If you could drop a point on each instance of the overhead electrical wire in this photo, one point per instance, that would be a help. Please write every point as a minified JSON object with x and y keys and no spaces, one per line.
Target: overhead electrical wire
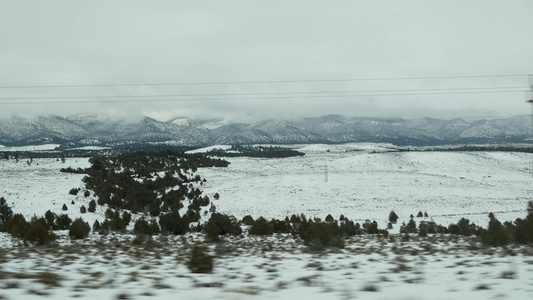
{"x":280,"y":97}
{"x":487,"y":89}
{"x":261,"y":82}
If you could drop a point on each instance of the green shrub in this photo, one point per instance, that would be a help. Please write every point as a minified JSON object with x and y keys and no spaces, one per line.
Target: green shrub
{"x":5,"y":212}
{"x":211,"y":232}
{"x":496,"y":234}
{"x":126,"y":217}
{"x":200,"y":261}
{"x":522,"y":231}
{"x":464,"y":227}
{"x":38,"y":232}
{"x":261,"y":227}
{"x":142,"y":226}
{"x":349,"y":228}
{"x":296,"y":219}
{"x":50,"y":218}
{"x":92,"y":206}
{"x":393,"y":217}
{"x":62,"y":222}
{"x":192,"y":215}
{"x":370,"y":227}
{"x":430,"y":227}
{"x":281,"y":226}
{"x":318,"y":236}
{"x":113,"y":221}
{"x":17,"y":226}
{"x":173,"y":223}
{"x":409,"y":227}
{"x":79,"y":229}
{"x":96,"y":226}
{"x":225,"y":224}
{"x":247,"y":220}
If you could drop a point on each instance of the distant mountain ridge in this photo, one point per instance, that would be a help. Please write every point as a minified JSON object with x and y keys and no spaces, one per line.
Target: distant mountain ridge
{"x":85,"y":130}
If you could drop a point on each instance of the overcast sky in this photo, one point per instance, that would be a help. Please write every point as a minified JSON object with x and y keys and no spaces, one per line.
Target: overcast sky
{"x":242,"y":46}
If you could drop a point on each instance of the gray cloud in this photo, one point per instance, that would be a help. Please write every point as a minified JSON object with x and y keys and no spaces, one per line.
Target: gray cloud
{"x":114,"y":42}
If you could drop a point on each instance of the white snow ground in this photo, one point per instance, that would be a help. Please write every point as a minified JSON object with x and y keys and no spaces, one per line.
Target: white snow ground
{"x":360,"y":184}
{"x":363,"y":185}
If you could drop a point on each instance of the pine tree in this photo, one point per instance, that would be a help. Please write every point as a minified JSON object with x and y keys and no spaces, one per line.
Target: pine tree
{"x":96,"y":225}
{"x":92,"y":206}
{"x":200,"y":261}
{"x":393,"y":217}
{"x":495,"y":235}
{"x":5,"y":212}
{"x":79,"y":229}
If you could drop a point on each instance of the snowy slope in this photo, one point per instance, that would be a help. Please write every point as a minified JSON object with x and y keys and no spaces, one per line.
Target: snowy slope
{"x":365,"y":185}
{"x":363,"y":181}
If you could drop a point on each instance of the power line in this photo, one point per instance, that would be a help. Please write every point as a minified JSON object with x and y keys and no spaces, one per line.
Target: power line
{"x":253,"y":98}
{"x":260,"y":82}
{"x":487,"y":89}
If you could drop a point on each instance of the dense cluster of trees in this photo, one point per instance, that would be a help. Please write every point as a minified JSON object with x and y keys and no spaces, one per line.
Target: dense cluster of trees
{"x":519,"y":231}
{"x":314,"y":232}
{"x":39,"y":230}
{"x":151,"y":183}
{"x":256,"y":151}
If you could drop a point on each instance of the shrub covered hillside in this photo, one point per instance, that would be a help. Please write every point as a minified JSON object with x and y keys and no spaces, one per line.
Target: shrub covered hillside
{"x":156,"y":185}
{"x":160,"y":192}
{"x":148,"y":188}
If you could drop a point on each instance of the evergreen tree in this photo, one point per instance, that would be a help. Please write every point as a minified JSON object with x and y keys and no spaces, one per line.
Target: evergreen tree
{"x":17,"y":226}
{"x":50,"y":218}
{"x":96,"y":225}
{"x":329,"y":218}
{"x":62,"y":222}
{"x":200,"y":261}
{"x":79,"y":229}
{"x":142,"y":226}
{"x":92,"y":206}
{"x":5,"y":212}
{"x":393,"y":217}
{"x":174,"y":223}
{"x":495,"y":235}
{"x":261,"y":227}
{"x":39,"y":232}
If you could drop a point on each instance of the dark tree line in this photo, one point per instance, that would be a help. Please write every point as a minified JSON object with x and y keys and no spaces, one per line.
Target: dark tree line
{"x":256,"y":151}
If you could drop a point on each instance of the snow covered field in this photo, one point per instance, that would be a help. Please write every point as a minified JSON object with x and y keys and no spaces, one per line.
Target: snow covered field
{"x":266,"y":268}
{"x":364,"y":181}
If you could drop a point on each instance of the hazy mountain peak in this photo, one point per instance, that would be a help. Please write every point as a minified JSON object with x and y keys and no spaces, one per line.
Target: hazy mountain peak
{"x":183,"y":131}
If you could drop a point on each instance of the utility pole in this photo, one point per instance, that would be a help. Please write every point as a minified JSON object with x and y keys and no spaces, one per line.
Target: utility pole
{"x":326,"y":172}
{"x":530,"y":101}
{"x":531,"y":162}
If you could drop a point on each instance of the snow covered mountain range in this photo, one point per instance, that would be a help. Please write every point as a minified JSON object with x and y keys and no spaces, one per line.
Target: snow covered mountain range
{"x":84,"y":130}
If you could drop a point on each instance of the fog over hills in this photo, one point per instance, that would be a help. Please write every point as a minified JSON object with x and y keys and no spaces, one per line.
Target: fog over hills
{"x":86,"y":130}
